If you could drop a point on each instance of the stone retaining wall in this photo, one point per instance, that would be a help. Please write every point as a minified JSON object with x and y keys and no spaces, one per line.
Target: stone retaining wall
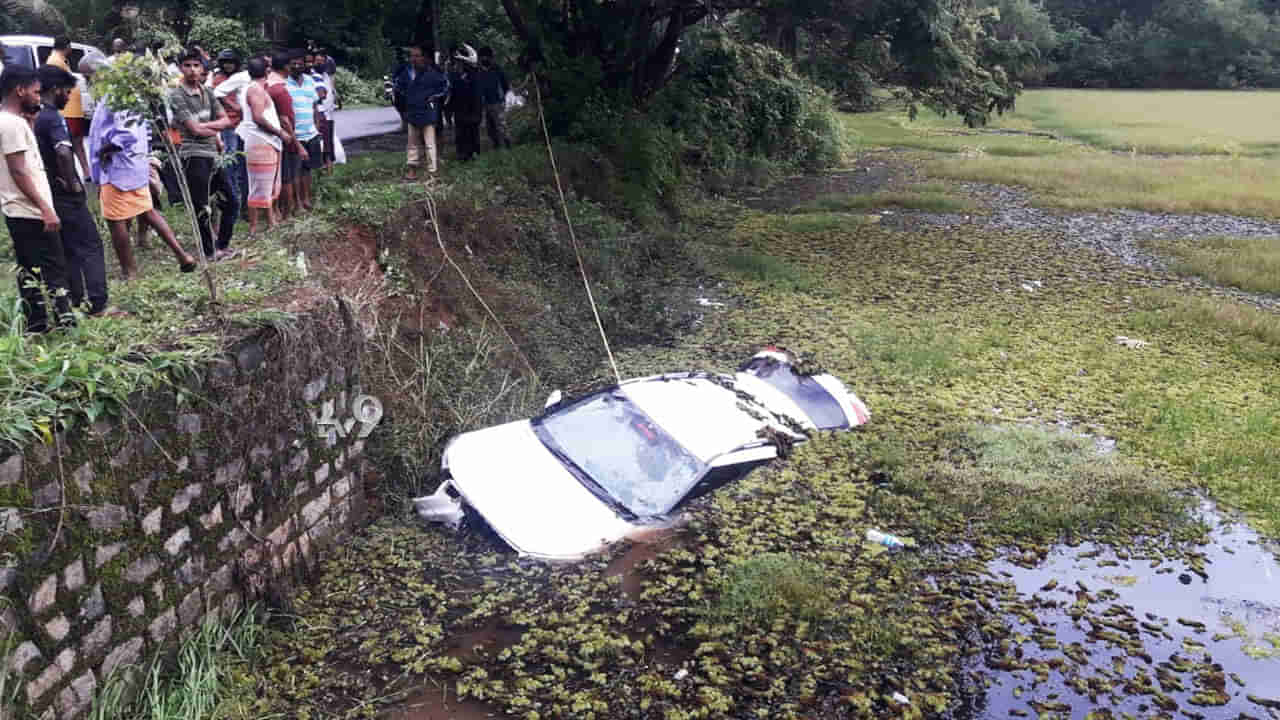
{"x":199,"y":498}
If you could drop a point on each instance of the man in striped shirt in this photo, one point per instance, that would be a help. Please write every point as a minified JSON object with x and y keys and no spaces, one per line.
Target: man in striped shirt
{"x":302,"y":89}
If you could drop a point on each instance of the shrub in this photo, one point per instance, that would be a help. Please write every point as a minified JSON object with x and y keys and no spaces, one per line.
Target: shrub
{"x":215,"y":34}
{"x":734,"y":100}
{"x":355,"y":90}
{"x":767,"y":587}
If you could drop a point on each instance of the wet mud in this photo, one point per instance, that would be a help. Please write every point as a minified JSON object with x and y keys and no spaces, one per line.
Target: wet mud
{"x":1109,"y":633}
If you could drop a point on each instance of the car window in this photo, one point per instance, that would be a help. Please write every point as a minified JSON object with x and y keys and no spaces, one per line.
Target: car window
{"x":42,"y":53}
{"x":804,"y":391}
{"x":611,"y":440}
{"x":18,"y":55}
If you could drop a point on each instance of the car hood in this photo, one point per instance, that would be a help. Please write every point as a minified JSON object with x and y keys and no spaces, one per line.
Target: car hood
{"x":527,"y":496}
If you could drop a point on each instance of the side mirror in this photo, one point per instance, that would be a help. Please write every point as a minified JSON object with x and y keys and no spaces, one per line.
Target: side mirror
{"x":553,"y":399}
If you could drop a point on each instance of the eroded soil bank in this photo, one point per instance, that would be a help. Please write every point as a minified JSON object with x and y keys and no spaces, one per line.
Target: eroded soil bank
{"x":941,"y":328}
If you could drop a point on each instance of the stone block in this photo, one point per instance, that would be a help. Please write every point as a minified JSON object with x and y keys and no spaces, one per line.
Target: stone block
{"x":191,"y":608}
{"x":66,"y":660}
{"x":213,"y":518}
{"x":76,"y":698}
{"x":83,"y":478}
{"x":219,"y":582}
{"x":297,"y":462}
{"x":93,"y":605}
{"x":182,"y":499}
{"x":107,"y":518}
{"x":95,"y":643}
{"x":73,"y":575}
{"x":125,"y":655}
{"x":282,"y":533}
{"x":51,"y":676}
{"x":58,"y":628}
{"x":11,"y":520}
{"x":232,"y":539}
{"x":47,"y":495}
{"x":141,"y":569}
{"x":241,"y":499}
{"x":260,"y":456}
{"x":163,"y":626}
{"x":231,"y":473}
{"x":137,"y":607}
{"x":312,"y":390}
{"x":341,"y":487}
{"x":44,"y":596}
{"x":11,"y":470}
{"x":322,"y":474}
{"x":188,"y":423}
{"x":151,"y":522}
{"x":106,"y":553}
{"x":142,"y":488}
{"x":23,"y":656}
{"x":192,"y":571}
{"x":312,"y":511}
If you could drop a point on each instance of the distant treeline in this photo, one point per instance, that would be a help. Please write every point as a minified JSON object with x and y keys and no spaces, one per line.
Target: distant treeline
{"x":1146,"y":43}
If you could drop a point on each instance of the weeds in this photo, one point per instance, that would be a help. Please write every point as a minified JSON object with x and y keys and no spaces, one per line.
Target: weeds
{"x":1248,"y":263}
{"x":1033,"y":482}
{"x":766,"y":587}
{"x":1166,"y":308}
{"x":196,"y":687}
{"x":927,"y":199}
{"x":773,"y":272}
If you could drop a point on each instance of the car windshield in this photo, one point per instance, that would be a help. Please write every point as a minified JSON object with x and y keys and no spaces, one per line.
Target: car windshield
{"x":623,"y":451}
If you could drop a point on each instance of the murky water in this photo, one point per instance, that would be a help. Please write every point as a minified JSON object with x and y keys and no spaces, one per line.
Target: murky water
{"x":434,"y":705}
{"x":1100,"y":631}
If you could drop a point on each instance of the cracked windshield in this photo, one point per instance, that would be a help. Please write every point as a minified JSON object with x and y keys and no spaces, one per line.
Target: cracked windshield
{"x":288,"y":283}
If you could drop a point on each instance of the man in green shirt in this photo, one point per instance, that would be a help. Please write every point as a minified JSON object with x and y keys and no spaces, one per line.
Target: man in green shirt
{"x":199,"y":118}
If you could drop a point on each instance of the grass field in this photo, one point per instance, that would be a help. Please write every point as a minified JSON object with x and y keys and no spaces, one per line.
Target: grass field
{"x":1187,"y":151}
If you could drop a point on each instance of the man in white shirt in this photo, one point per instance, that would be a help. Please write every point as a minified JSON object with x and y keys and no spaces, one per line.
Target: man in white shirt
{"x":27,"y":204}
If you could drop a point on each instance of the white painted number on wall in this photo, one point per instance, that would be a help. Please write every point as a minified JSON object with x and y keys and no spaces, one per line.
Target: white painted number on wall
{"x":366,"y":411}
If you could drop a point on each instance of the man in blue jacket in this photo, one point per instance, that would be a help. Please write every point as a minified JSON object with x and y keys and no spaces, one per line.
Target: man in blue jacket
{"x":421,"y":86}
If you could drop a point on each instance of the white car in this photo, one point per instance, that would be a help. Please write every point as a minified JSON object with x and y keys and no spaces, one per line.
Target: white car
{"x":31,"y":51}
{"x":620,"y":462}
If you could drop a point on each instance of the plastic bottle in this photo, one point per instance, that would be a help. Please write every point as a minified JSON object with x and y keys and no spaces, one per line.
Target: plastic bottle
{"x":885,"y":539}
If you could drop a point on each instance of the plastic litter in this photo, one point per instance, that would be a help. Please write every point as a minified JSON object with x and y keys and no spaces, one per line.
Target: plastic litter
{"x":682,"y":673}
{"x":901,"y":699}
{"x":885,"y":539}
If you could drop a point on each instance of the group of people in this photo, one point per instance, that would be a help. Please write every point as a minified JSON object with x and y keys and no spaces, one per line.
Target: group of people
{"x":274,"y":114}
{"x":470,"y":91}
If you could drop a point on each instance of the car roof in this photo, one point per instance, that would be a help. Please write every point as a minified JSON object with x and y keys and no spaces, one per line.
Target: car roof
{"x":701,"y":414}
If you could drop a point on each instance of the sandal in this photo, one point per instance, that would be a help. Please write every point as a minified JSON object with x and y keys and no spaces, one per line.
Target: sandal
{"x":187,"y":267}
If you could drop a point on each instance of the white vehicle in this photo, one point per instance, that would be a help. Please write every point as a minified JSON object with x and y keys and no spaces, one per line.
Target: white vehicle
{"x":31,"y":51}
{"x":619,"y":463}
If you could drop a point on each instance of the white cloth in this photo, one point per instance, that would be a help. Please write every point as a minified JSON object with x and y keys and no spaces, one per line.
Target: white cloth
{"x":325,"y":80}
{"x":248,"y":130}
{"x":233,"y":84}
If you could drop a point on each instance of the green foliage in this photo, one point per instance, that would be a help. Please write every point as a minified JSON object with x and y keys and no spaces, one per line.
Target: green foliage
{"x":355,"y":90}
{"x":215,"y":34}
{"x":766,"y":587}
{"x":207,"y":661}
{"x":733,"y":101}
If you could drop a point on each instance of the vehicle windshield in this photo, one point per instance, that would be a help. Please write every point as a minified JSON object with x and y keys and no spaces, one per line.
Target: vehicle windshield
{"x":623,"y":451}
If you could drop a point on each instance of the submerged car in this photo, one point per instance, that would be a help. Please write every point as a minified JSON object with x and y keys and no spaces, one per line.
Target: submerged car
{"x":621,"y":462}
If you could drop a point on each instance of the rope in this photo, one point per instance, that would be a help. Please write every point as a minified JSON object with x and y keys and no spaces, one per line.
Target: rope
{"x":564,"y":205}
{"x":435,"y":225}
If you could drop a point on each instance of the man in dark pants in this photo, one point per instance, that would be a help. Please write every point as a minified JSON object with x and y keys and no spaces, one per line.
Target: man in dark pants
{"x":199,"y":119}
{"x":81,"y":243}
{"x":493,"y":91}
{"x":27,"y":203}
{"x":468,"y":106}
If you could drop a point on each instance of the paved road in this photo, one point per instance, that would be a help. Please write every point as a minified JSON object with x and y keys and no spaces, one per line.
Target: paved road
{"x":352,"y":124}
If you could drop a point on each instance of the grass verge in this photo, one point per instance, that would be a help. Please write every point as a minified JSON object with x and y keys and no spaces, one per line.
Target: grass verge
{"x":194,"y":689}
{"x":1248,"y":263}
